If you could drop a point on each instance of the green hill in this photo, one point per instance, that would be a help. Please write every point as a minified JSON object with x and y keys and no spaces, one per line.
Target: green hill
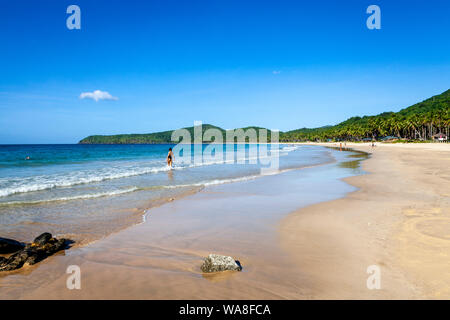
{"x":155,"y":138}
{"x":418,"y":122}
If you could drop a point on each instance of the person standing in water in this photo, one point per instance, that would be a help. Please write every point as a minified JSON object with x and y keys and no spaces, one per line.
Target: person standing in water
{"x":170,"y":158}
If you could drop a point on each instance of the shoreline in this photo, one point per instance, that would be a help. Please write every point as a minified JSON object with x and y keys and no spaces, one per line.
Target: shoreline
{"x":318,"y":251}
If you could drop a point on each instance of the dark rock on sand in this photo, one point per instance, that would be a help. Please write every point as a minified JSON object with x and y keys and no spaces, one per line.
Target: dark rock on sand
{"x":217,"y":263}
{"x":10,"y":246}
{"x":42,"y":247}
{"x":42,"y":239}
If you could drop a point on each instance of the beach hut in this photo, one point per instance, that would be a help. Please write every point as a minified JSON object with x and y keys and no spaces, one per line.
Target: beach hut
{"x":441,"y":137}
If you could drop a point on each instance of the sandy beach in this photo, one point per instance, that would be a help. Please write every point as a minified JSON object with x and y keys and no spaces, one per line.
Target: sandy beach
{"x":302,"y":234}
{"x":399,"y":219}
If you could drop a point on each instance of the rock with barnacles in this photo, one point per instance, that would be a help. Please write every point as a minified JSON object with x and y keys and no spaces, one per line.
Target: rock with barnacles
{"x":218,"y":263}
{"x":42,"y":247}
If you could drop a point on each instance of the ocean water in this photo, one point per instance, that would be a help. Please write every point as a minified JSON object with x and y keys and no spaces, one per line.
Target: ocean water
{"x":86,"y":192}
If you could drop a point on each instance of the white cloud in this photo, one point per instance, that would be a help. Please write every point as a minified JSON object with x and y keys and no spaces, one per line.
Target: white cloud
{"x":97,"y":95}
{"x":276,"y":71}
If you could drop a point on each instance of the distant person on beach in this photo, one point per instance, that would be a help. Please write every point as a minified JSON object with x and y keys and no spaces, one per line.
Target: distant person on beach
{"x":170,"y":158}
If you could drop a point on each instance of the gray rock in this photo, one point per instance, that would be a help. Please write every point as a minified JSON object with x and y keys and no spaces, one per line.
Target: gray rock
{"x":10,"y":246}
{"x":42,"y":247}
{"x":217,"y":263}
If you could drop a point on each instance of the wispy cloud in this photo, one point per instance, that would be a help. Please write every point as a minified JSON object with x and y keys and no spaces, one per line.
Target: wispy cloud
{"x":97,"y":95}
{"x":276,"y":71}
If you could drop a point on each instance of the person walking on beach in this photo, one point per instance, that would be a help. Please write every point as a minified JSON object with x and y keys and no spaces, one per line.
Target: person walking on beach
{"x":170,"y":158}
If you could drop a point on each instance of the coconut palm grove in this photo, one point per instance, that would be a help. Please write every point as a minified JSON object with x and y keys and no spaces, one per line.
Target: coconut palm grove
{"x":426,"y":120}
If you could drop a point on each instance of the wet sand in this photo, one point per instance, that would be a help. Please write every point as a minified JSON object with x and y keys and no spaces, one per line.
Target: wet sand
{"x":396,"y":220}
{"x":85,"y":221}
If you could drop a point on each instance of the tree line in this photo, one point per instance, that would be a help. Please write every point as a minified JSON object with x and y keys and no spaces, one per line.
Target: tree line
{"x":418,"y":122}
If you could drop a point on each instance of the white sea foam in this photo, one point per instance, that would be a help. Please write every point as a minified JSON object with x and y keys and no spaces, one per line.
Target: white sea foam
{"x":212,"y":182}
{"x":78,"y":197}
{"x":9,"y":186}
{"x":289,"y":148}
{"x":231,"y":180}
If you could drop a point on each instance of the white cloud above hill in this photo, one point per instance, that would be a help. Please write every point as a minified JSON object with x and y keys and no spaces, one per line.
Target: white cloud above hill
{"x":97,"y":95}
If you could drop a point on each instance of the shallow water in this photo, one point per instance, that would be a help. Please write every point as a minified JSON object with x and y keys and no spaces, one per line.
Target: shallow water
{"x":86,"y":192}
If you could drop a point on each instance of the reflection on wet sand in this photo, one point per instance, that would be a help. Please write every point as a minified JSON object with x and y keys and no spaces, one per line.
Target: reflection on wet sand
{"x":170,"y":175}
{"x":219,"y":276}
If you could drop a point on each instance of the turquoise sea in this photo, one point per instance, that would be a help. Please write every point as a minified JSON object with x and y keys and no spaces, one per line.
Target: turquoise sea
{"x":89,"y":191}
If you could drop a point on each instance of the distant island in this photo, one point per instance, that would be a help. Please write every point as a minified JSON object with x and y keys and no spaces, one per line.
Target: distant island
{"x":422,"y":121}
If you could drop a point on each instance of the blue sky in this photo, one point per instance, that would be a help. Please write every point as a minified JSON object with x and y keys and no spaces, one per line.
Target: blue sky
{"x":276,"y":64}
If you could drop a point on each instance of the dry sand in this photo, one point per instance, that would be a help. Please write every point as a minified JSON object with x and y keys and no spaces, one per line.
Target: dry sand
{"x":399,"y":220}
